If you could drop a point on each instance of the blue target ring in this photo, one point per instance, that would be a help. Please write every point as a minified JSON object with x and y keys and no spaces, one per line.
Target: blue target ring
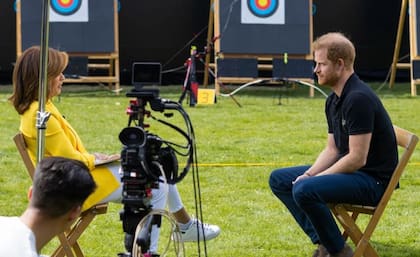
{"x":66,"y":7}
{"x":263,"y":8}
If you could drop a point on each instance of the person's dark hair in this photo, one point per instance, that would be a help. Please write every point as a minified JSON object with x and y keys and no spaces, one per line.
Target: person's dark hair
{"x":26,"y":75}
{"x":60,"y":184}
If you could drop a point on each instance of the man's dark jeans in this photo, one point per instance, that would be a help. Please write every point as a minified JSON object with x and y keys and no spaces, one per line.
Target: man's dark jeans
{"x":307,"y":200}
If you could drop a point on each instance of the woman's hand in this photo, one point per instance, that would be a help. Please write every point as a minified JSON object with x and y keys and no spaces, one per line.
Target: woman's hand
{"x":101,"y":156}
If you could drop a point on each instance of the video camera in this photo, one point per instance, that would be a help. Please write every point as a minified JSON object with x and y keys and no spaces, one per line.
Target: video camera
{"x":146,"y":160}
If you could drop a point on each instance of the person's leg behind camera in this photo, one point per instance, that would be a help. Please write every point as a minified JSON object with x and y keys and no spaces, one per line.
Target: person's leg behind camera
{"x":168,"y":194}
{"x":188,"y":226}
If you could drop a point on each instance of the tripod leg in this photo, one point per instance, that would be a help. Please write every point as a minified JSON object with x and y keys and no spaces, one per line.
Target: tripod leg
{"x":193,"y":93}
{"x":186,"y":85}
{"x":143,"y":239}
{"x":181,"y":98}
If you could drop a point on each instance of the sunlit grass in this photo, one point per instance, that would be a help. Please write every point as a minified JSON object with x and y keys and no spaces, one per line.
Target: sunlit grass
{"x":237,"y":149}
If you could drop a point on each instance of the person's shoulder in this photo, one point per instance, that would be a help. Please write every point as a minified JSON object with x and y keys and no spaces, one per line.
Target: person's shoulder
{"x":359,"y":88}
{"x":13,"y":228}
{"x":31,"y":111}
{"x":362,"y":98}
{"x":34,"y":106}
{"x":358,"y":95}
{"x":363,"y":90}
{"x":16,"y":238}
{"x":9,"y":219}
{"x":12,"y":222}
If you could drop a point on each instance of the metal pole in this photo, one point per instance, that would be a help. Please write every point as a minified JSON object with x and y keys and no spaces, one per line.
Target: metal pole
{"x":42,"y":116}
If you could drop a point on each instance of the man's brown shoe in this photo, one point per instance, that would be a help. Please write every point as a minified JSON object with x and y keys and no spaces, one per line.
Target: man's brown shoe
{"x":345,"y":252}
{"x":321,"y":251}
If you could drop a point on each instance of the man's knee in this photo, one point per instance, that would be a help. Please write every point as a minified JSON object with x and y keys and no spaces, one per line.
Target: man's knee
{"x":280,"y":182}
{"x":272,"y":181}
{"x":275,"y":181}
{"x":303,"y":191}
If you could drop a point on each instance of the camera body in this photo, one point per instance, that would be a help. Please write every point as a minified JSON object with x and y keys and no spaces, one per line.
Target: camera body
{"x":145,"y":160}
{"x":139,"y":150}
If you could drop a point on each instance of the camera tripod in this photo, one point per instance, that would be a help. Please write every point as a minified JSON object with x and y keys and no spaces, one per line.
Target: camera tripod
{"x":190,"y":85}
{"x":149,"y":162}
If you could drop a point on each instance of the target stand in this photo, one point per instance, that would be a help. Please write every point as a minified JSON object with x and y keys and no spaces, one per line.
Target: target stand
{"x":85,"y":29}
{"x":412,"y":9}
{"x":258,"y":39}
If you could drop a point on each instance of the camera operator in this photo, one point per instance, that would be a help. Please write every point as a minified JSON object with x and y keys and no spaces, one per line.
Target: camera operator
{"x":59,"y":189}
{"x":62,"y":140}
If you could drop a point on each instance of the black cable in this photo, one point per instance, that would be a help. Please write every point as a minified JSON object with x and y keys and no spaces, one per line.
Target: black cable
{"x":197,"y":197}
{"x":185,"y":46}
{"x":196,"y":178}
{"x":389,"y":74}
{"x":174,"y":69}
{"x":189,"y":146}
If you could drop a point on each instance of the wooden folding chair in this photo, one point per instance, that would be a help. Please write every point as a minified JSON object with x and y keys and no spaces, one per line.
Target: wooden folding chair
{"x":347,"y":214}
{"x":68,"y":240}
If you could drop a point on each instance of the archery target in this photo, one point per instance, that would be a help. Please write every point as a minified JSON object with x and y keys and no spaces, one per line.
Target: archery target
{"x":262,"y":11}
{"x":69,"y":11}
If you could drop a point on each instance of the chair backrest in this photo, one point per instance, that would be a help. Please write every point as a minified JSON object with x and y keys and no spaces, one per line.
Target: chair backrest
{"x":408,"y":141}
{"x":69,"y":245}
{"x":23,"y":151}
{"x":347,"y":214}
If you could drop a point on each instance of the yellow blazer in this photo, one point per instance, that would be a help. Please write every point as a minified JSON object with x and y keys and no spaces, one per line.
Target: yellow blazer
{"x":62,"y":140}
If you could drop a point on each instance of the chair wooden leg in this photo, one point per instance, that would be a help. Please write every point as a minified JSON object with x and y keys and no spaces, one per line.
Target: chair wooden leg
{"x":65,"y":248}
{"x":68,"y":240}
{"x":354,"y":216}
{"x":68,"y":249}
{"x":69,"y":246}
{"x":363,"y":247}
{"x":77,"y":250}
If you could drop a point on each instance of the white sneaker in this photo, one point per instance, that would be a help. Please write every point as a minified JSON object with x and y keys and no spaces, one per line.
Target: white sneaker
{"x":190,"y":235}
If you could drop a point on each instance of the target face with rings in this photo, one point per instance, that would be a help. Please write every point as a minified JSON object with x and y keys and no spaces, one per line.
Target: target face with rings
{"x":66,"y":7}
{"x":69,"y":11}
{"x":263,"y":8}
{"x":262,"y":11}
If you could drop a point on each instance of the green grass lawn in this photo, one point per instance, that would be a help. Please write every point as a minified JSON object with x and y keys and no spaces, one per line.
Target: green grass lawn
{"x":237,"y":149}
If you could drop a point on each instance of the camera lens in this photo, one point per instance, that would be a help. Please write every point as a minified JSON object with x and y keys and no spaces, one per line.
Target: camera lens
{"x":133,"y":136}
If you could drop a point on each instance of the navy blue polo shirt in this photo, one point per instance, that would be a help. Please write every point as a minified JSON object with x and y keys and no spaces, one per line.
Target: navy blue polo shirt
{"x":358,"y":111}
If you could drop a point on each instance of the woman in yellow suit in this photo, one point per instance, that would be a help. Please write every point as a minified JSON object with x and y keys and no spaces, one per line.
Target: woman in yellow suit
{"x":62,"y":140}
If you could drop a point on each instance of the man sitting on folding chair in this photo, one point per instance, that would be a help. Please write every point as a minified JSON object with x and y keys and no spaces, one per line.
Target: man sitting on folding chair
{"x":59,"y":190}
{"x":358,"y":160}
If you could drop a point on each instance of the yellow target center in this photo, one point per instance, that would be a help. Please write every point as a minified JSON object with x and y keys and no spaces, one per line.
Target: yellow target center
{"x":263,"y":3}
{"x":65,"y":2}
